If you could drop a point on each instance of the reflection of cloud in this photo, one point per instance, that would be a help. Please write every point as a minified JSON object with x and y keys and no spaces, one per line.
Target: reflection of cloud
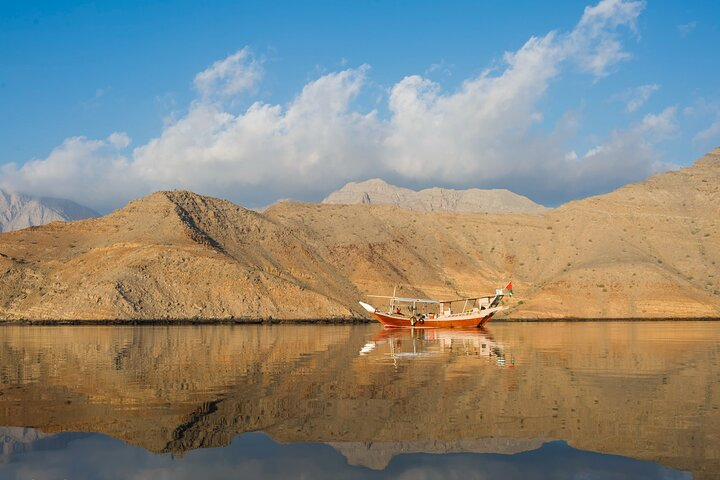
{"x":257,"y":456}
{"x":484,"y":134}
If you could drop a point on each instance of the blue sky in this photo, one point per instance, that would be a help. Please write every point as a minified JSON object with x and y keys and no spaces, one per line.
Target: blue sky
{"x":102,"y":102}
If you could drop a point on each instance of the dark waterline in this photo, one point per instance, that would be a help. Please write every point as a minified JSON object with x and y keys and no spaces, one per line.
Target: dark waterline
{"x":560,"y":400}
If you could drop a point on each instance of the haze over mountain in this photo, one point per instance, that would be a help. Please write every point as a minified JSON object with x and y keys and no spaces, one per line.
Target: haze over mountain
{"x":648,"y":250}
{"x":378,"y":192}
{"x":19,"y":211}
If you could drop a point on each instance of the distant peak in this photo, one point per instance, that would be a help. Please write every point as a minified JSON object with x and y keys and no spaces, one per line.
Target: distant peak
{"x":19,"y":211}
{"x":378,"y":191}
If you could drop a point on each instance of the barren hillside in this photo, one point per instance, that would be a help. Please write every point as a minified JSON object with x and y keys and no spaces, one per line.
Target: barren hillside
{"x":649,"y":250}
{"x":169,"y":255}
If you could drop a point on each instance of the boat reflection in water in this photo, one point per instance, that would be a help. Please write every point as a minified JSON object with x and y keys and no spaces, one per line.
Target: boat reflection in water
{"x":421,"y":342}
{"x":353,"y":401}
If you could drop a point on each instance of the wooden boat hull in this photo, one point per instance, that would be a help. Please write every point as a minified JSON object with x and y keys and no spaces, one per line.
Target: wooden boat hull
{"x":464,"y":321}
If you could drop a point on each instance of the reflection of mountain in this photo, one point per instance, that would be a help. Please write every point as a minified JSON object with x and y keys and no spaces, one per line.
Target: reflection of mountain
{"x":255,"y":455}
{"x":647,"y":390}
{"x":377,"y":455}
{"x":15,"y":440}
{"x":18,"y":439}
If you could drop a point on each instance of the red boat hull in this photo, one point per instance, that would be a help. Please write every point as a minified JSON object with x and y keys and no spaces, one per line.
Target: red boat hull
{"x":401,"y":321}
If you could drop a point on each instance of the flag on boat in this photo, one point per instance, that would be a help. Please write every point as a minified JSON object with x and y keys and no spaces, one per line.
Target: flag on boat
{"x":508,"y":287}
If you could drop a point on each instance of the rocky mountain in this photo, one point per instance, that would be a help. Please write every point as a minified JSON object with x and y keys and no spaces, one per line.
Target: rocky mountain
{"x":168,"y":255}
{"x":18,"y":211}
{"x":649,"y":250}
{"x":378,"y":192}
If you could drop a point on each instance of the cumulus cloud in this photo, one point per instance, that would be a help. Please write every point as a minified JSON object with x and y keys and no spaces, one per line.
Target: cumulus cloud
{"x":94,"y":172}
{"x":595,"y":41}
{"x":631,"y":152}
{"x":709,"y":134}
{"x":660,"y":126}
{"x":635,"y":98}
{"x":237,"y":73}
{"x":483,"y":134}
{"x":119,"y":140}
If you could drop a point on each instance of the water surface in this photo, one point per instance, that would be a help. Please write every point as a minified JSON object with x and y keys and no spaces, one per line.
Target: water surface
{"x":557,"y":400}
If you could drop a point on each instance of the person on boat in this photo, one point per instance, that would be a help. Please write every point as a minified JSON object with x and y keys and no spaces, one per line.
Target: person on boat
{"x":397,"y":311}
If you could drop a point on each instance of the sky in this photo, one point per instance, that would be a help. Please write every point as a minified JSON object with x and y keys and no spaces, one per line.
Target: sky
{"x":103,"y":102}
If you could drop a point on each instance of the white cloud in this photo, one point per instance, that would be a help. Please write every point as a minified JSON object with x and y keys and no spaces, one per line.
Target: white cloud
{"x":119,"y":140}
{"x":483,"y":134}
{"x":316,"y":136}
{"x":638,"y":96}
{"x":90,"y":171}
{"x":709,"y":134}
{"x":652,"y":129}
{"x":686,"y":28}
{"x":237,"y":73}
{"x":595,"y":40}
{"x":662,"y":125}
{"x":571,"y":155}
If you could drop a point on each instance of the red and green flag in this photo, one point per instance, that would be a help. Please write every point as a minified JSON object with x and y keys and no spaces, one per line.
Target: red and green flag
{"x":508,"y":287}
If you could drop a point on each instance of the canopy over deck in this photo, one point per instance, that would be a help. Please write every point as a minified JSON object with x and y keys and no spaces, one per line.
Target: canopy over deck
{"x":406,"y":299}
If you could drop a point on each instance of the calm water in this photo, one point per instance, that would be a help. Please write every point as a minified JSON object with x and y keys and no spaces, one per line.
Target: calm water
{"x":588,"y":400}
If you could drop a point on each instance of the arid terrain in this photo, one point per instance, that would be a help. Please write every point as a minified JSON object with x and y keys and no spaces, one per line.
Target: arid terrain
{"x":648,"y":250}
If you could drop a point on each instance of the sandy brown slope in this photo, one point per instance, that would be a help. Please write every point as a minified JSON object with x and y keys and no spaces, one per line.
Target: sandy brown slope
{"x":650,"y":250}
{"x":169,"y":255}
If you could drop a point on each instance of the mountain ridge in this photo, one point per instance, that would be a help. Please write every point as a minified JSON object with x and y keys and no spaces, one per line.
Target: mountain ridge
{"x":18,"y":211}
{"x":647,"y":250}
{"x":435,"y":199}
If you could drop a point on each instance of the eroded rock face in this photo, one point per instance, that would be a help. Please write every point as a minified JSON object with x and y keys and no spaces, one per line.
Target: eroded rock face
{"x":18,"y":211}
{"x":649,"y":250}
{"x":378,"y":192}
{"x":169,"y":255}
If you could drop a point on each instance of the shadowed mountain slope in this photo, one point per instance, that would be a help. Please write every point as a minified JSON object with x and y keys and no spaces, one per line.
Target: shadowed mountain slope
{"x":649,"y":250}
{"x":168,"y":255}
